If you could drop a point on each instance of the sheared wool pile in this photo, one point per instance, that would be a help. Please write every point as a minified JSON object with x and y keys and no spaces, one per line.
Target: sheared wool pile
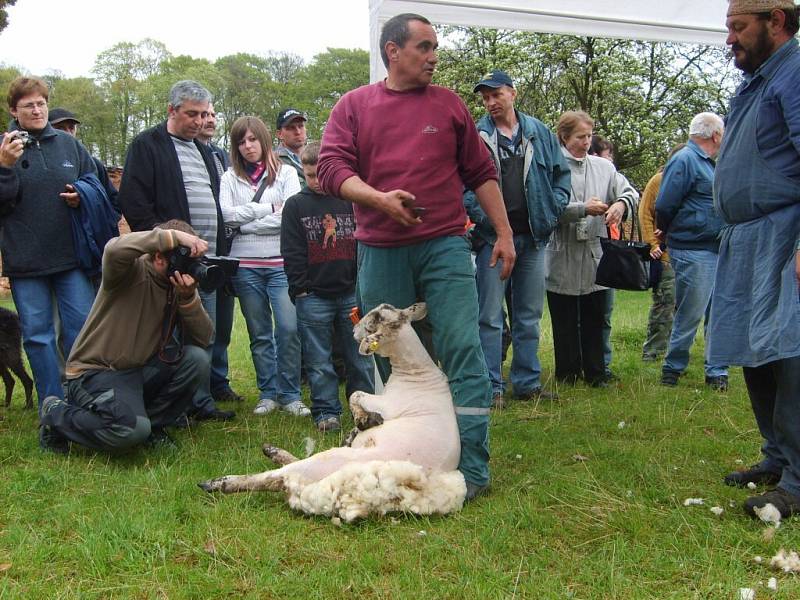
{"x":377,"y":487}
{"x":788,"y":562}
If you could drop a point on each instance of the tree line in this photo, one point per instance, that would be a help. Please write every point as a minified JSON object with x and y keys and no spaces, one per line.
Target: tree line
{"x":641,"y":94}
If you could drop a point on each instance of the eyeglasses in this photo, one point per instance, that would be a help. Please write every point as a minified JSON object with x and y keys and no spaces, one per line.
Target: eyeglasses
{"x":41,"y":105}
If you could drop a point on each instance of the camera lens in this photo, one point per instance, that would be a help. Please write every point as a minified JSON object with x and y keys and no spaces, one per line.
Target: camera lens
{"x":208,"y":277}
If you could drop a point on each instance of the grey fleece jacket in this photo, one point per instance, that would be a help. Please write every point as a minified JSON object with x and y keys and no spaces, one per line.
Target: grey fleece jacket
{"x":37,"y":232}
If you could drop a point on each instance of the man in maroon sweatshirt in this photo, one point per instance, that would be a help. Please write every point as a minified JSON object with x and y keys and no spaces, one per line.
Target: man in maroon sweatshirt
{"x":402,"y":150}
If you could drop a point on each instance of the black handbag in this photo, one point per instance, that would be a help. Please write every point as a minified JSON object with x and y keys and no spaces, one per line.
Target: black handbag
{"x":625,"y":264}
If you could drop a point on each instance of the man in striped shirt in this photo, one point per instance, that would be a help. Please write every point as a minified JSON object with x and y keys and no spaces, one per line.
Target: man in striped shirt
{"x":170,"y":175}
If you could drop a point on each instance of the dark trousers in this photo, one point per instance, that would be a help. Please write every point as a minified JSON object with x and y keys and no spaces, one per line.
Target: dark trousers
{"x":578,"y":335}
{"x":774,"y":390}
{"x":222,"y":339}
{"x":116,"y":410}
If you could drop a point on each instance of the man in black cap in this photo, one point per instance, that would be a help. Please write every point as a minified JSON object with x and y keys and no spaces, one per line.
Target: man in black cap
{"x":290,"y":128}
{"x":535,"y":183}
{"x":61,"y":118}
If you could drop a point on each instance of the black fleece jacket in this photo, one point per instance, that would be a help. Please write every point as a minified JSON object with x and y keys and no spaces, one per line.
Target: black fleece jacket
{"x":152,"y":188}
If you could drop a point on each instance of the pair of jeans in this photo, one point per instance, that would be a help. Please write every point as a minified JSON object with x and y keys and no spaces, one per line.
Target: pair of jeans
{"x":33,"y":297}
{"x":112,"y":410}
{"x":440,"y":272}
{"x":222,"y":339}
{"x":527,"y":303}
{"x":695,"y":271}
{"x":264,"y":293}
{"x":774,"y":390}
{"x":319,"y":320}
{"x":659,"y":321}
{"x":577,"y":323}
{"x":203,"y":402}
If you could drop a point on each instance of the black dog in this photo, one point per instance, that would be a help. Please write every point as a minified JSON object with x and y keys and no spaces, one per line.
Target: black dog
{"x":11,"y":356}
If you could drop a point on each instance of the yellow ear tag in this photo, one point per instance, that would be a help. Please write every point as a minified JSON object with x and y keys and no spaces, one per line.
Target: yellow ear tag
{"x":373,"y":345}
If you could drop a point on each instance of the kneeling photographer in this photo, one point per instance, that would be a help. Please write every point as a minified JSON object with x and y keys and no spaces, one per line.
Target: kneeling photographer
{"x":140,"y":356}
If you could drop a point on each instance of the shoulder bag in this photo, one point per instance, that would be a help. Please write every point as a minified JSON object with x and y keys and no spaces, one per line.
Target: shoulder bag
{"x":625,"y":264}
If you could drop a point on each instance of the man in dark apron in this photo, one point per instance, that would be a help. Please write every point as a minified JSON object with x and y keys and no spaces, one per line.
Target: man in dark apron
{"x":755,"y":313}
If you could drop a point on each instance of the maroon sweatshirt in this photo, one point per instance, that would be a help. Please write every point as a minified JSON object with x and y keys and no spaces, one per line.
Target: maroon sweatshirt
{"x":422,"y":141}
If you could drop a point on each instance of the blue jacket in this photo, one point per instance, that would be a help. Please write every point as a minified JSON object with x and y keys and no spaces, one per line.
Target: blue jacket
{"x":36,"y":232}
{"x":547,"y":179}
{"x":685,"y":207}
{"x":94,"y":222}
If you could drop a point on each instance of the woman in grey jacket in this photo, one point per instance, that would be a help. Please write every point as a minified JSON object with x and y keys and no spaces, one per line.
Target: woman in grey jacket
{"x":598,"y":199}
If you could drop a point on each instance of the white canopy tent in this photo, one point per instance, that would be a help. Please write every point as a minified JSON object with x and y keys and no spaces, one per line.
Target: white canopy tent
{"x":694,"y":21}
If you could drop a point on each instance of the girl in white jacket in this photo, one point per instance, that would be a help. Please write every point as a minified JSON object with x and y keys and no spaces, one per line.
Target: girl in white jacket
{"x":260,"y":283}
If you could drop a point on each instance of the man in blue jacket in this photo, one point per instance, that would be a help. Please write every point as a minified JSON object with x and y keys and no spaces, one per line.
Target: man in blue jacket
{"x":535,"y":182}
{"x":685,"y":214}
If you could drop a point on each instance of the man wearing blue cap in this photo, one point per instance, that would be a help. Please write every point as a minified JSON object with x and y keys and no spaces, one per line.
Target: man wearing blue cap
{"x":535,"y":182}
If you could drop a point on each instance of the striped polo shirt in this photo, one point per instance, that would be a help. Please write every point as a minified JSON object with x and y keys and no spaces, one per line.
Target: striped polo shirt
{"x":202,"y":207}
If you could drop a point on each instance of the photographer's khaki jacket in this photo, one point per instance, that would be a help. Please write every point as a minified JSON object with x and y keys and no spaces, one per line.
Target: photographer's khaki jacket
{"x":123,"y":328}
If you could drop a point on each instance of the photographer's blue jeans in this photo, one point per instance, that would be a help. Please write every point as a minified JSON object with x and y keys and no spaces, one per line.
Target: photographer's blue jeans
{"x":33,"y":298}
{"x":319,"y":320}
{"x":695,"y":271}
{"x":263,"y":293}
{"x":528,"y":288}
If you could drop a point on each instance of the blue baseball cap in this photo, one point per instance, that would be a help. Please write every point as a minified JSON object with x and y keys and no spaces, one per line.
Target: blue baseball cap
{"x":495,"y":79}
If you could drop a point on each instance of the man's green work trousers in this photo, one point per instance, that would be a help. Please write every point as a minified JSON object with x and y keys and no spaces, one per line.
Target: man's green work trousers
{"x":440,"y":273}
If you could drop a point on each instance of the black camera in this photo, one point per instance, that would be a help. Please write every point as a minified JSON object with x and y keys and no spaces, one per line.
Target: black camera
{"x":210,"y":272}
{"x":27,"y":140}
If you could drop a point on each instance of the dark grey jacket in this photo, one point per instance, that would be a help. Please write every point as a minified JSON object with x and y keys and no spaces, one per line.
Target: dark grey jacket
{"x":37,"y":231}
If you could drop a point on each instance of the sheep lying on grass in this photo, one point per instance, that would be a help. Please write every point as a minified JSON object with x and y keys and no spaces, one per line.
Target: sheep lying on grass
{"x":407,"y":448}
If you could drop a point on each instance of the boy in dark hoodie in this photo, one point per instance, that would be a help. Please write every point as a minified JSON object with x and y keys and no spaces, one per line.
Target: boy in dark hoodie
{"x":319,"y":254}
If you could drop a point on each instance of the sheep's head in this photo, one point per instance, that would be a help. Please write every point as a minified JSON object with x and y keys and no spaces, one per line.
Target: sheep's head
{"x":382,"y":323}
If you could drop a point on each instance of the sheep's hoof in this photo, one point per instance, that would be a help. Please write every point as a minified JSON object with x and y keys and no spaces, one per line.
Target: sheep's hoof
{"x":348,"y":441}
{"x":369,"y":420}
{"x":212,"y":485}
{"x":278,"y":455}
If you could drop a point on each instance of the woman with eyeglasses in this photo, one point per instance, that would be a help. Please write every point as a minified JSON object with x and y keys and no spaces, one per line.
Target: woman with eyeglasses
{"x":38,"y":167}
{"x":252,"y":194}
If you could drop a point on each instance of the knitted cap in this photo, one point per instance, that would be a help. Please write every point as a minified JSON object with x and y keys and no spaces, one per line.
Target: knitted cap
{"x":744,"y":7}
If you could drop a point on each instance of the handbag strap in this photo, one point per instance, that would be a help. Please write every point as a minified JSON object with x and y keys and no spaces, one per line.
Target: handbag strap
{"x":635,"y":227}
{"x":260,"y":190}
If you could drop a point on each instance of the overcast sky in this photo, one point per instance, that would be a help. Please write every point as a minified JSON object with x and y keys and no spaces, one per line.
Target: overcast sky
{"x":67,"y":35}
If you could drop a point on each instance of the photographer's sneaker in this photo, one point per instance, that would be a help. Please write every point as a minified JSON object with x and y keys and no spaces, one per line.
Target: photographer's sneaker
{"x":296,"y":408}
{"x":264,"y":406}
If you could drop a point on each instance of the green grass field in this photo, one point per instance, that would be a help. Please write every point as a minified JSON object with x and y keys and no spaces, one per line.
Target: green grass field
{"x":609,"y":524}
